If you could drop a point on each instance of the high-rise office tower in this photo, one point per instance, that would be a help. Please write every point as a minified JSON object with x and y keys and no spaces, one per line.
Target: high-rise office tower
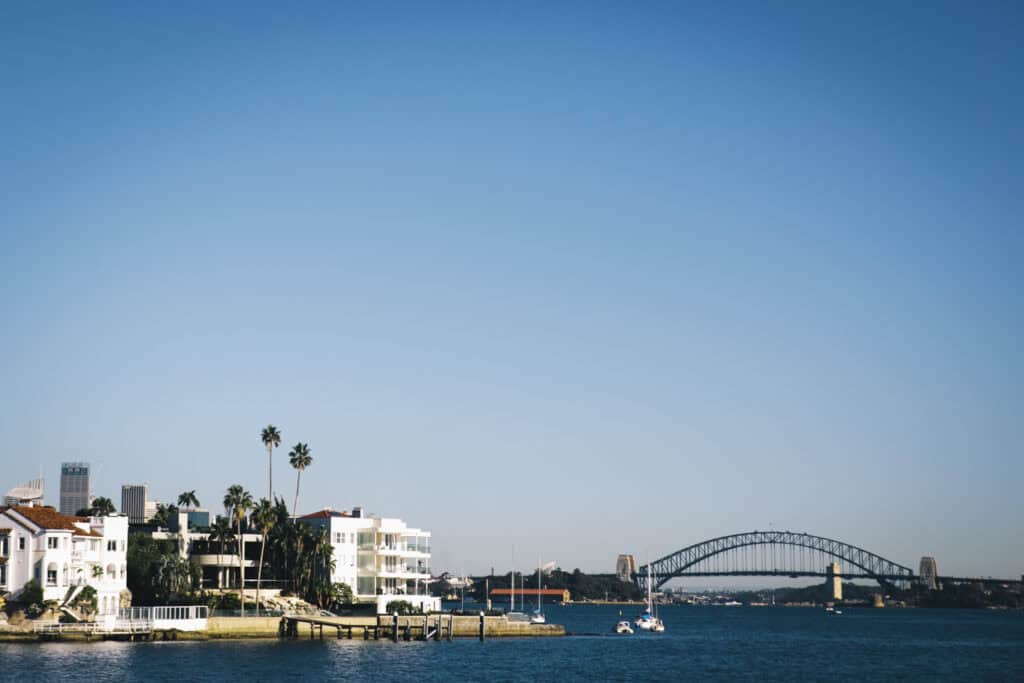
{"x":75,"y":493}
{"x":133,"y":502}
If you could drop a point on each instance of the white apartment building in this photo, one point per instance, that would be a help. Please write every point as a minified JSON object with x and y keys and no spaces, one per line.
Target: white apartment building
{"x":381,"y":559}
{"x":62,"y":552}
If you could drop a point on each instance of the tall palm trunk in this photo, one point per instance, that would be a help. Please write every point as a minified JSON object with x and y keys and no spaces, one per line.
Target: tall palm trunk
{"x":241,"y":569}
{"x":270,"y":471}
{"x":295,"y":508}
{"x":259,"y":572}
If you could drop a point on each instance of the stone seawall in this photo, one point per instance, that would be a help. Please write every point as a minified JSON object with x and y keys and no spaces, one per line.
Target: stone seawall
{"x":242,"y":627}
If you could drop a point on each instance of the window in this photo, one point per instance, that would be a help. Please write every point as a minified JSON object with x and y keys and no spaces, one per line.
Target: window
{"x":52,"y":542}
{"x":3,"y":545}
{"x":51,"y":575}
{"x":111,"y":546}
{"x":3,"y":574}
{"x":21,"y":542}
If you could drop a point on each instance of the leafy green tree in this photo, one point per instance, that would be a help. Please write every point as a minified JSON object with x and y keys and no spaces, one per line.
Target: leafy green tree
{"x":238,"y":502}
{"x":144,"y":558}
{"x":176,"y":577}
{"x":300,"y":459}
{"x":341,"y":595}
{"x":31,"y":593}
{"x":271,"y":439}
{"x":263,"y":518}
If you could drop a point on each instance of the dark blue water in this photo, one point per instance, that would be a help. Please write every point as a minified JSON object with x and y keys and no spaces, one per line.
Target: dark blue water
{"x":701,"y":643}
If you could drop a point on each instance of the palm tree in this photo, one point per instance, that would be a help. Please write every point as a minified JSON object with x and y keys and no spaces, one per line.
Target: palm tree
{"x":163,"y":515}
{"x":263,"y":518}
{"x":323,"y":566}
{"x":221,"y":531}
{"x":300,"y":459}
{"x":188,"y":499}
{"x":271,"y":439}
{"x":101,"y":507}
{"x":238,"y":502}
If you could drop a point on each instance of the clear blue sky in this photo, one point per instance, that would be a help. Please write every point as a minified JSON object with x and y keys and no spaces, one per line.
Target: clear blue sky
{"x":585,"y":278}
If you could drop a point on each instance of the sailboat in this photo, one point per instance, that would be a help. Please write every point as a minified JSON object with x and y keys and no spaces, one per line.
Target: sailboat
{"x":538,"y":615}
{"x":649,"y":621}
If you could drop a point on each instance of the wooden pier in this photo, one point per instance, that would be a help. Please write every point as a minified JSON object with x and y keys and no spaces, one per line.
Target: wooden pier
{"x":391,"y":627}
{"x":439,"y":627}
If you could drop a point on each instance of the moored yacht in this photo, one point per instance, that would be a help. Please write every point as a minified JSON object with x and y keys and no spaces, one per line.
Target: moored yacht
{"x":649,"y":621}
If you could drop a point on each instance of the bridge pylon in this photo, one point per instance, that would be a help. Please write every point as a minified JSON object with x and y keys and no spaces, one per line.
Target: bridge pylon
{"x":835,"y":580}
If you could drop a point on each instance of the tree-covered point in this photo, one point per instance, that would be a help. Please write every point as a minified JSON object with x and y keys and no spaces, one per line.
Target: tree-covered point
{"x":972,"y":595}
{"x":580,"y":586}
{"x":818,"y":593}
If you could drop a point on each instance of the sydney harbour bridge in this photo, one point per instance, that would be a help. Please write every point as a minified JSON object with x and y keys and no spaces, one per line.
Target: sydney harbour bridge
{"x":791,"y":554}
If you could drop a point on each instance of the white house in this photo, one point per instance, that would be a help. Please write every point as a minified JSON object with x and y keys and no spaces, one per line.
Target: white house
{"x":62,"y":552}
{"x":381,"y":559}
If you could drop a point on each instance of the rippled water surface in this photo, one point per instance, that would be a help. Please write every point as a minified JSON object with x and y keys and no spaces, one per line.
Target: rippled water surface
{"x":701,"y":643}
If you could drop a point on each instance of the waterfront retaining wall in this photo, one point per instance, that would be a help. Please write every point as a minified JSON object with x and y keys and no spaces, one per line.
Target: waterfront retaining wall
{"x":242,"y":627}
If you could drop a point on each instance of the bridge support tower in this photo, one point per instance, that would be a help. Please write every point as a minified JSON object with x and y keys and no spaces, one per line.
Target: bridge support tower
{"x":928,"y":573}
{"x":834,"y":580}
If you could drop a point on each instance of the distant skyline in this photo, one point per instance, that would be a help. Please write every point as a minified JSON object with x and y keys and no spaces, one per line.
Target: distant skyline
{"x":575,"y":278}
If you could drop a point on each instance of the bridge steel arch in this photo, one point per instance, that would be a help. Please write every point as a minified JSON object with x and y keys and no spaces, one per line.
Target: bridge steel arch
{"x":873,"y":566}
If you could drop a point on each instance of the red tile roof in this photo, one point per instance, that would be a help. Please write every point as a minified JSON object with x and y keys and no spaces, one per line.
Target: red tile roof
{"x":46,"y":518}
{"x":326,"y":513}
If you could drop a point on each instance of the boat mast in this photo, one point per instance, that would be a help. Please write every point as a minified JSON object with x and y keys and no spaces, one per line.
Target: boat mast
{"x":538,"y":585}
{"x":649,"y":604}
{"x":512,"y":605}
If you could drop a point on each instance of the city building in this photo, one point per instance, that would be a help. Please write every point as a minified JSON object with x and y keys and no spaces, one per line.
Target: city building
{"x":381,"y":559}
{"x":64,"y":554}
{"x":29,"y":493}
{"x":134,"y":499}
{"x":625,"y":567}
{"x":198,"y":518}
{"x":75,"y":492}
{"x":929,"y":573}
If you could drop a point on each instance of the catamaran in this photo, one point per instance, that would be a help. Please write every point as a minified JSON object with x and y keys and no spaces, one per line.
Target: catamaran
{"x":649,"y":621}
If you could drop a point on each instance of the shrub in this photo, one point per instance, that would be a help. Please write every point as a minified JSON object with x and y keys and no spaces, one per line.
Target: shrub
{"x":400,"y":606}
{"x":31,"y":594}
{"x":85,"y":602}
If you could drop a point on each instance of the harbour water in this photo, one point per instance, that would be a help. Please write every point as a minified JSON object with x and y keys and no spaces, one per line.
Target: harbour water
{"x":721,"y":643}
